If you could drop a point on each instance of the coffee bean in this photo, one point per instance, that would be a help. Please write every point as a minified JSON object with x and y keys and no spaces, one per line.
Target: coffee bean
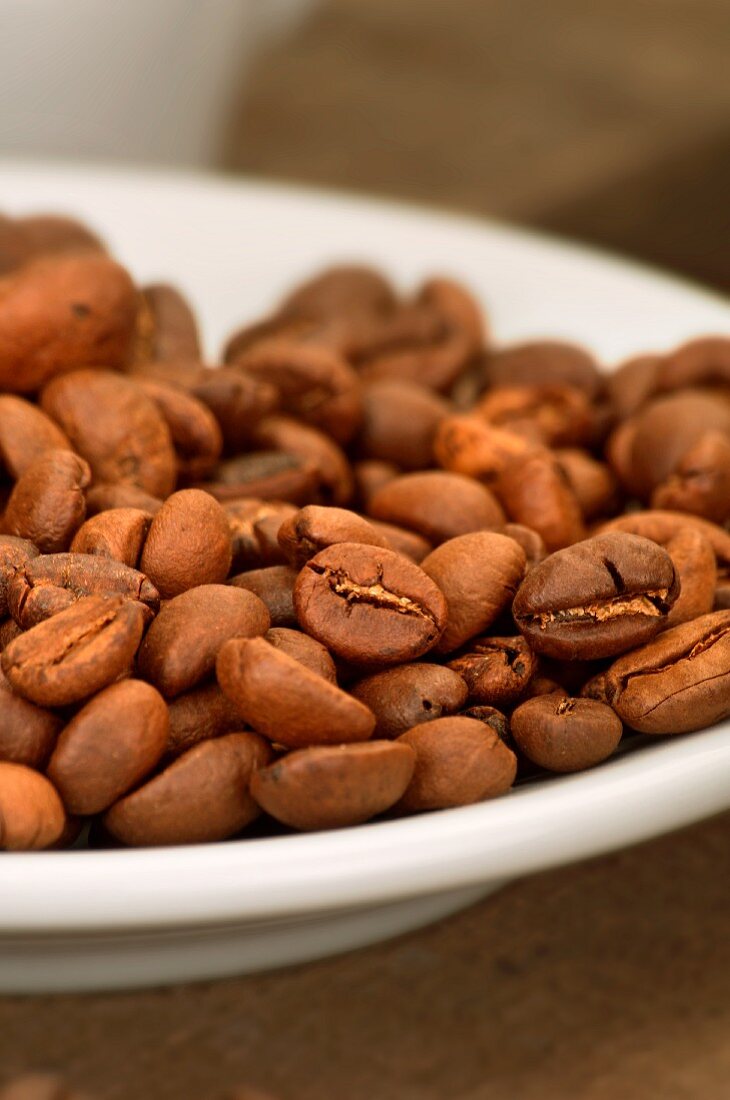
{"x":667,"y":428}
{"x":496,"y":671}
{"x":694,"y":562}
{"x":404,"y":542}
{"x":478,"y":574}
{"x":77,"y":652}
{"x":563,"y":734}
{"x":103,"y":497}
{"x":700,"y":482}
{"x":304,"y":649}
{"x":530,"y":541}
{"x":458,"y":761}
{"x":704,"y":361}
{"x":202,"y":796}
{"x":270,"y":475}
{"x":181,"y":645}
{"x":47,"y":505}
{"x":316,"y":449}
{"x":25,"y":434}
{"x":14,"y":553}
{"x":368,"y":605}
{"x":174,"y":328}
{"x":338,"y":290}
{"x":543,"y":361}
{"x":109,"y":746}
{"x":195,"y":433}
{"x":31,"y":813}
{"x":189,"y":543}
{"x":54,"y":233}
{"x":118,"y":533}
{"x":314,"y":528}
{"x":199,"y":715}
{"x":285,"y":700}
{"x":600,"y":597}
{"x":410,"y":694}
{"x":275,"y":586}
{"x":632,"y":384}
{"x":252,"y":547}
{"x":238,"y":401}
{"x":536,"y":493}
{"x":660,"y":526}
{"x":678,"y":682}
{"x":437,"y":505}
{"x":466,"y":444}
{"x":334,"y":786}
{"x":399,"y":423}
{"x":556,"y":415}
{"x":492,"y":718}
{"x":27,"y":732}
{"x":593,"y":483}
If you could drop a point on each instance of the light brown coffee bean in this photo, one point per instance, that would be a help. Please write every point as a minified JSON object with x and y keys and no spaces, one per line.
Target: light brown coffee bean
{"x":700,"y":482}
{"x":466,"y":444}
{"x":660,"y":526}
{"x":109,"y":746}
{"x":594,"y":483}
{"x":541,"y":361}
{"x":275,"y":586}
{"x":562,"y":734}
{"x":334,"y":786}
{"x":285,"y":700}
{"x":202,"y":796}
{"x":174,"y":328}
{"x":694,"y":561}
{"x":556,"y":415}
{"x":370,"y":474}
{"x":530,"y":541}
{"x":25,"y":434}
{"x":459,"y":761}
{"x":304,"y":649}
{"x":31,"y":813}
{"x":77,"y":652}
{"x":271,"y":475}
{"x":181,"y":645}
{"x":189,"y":543}
{"x":342,"y":288}
{"x":436,"y":504}
{"x":704,"y":361}
{"x":47,"y":505}
{"x":118,"y":534}
{"x":405,"y":696}
{"x":314,"y":528}
{"x":535,"y":493}
{"x":478,"y":574}
{"x":27,"y":732}
{"x":200,"y":715}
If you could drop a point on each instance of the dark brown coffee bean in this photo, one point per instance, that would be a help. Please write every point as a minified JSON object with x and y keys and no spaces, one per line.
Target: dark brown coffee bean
{"x":200,"y":715}
{"x":410,"y":694}
{"x":103,"y":497}
{"x":60,"y":313}
{"x":310,"y":653}
{"x":267,"y":474}
{"x":195,"y":432}
{"x":53,"y":233}
{"x":399,"y":423}
{"x":597,"y":598}
{"x":436,"y":504}
{"x":312,"y":447}
{"x":332,"y":787}
{"x":704,"y":361}
{"x":275,"y":586}
{"x":285,"y":700}
{"x":633,"y":383}
{"x":314,"y":528}
{"x":700,"y":483}
{"x":562,"y":734}
{"x":47,"y":505}
{"x":667,"y":428}
{"x":189,"y":543}
{"x":496,"y":671}
{"x":27,"y":732}
{"x":544,"y":361}
{"x":31,"y":814}
{"x":467,"y":445}
{"x":370,"y":474}
{"x":536,"y":493}
{"x":369,"y":606}
{"x":116,"y":427}
{"x":77,"y":652}
{"x":404,"y":542}
{"x":202,"y":796}
{"x":556,"y":415}
{"x":109,"y":746}
{"x":14,"y":554}
{"x":694,"y":561}
{"x":174,"y":330}
{"x":678,"y":682}
{"x":459,"y":761}
{"x":118,"y":534}
{"x":594,"y":483}
{"x":478,"y":574}
{"x":252,"y":547}
{"x":25,"y":434}
{"x":181,"y":645}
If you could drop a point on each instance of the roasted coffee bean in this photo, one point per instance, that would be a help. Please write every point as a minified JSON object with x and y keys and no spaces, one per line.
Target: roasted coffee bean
{"x":314,"y":528}
{"x":492,"y":718}
{"x":562,"y":734}
{"x":116,"y":427}
{"x":466,"y":444}
{"x":266,"y":474}
{"x":700,"y":482}
{"x":27,"y":732}
{"x":333,"y":786}
{"x":60,"y":313}
{"x":181,"y":645}
{"x":195,"y":432}
{"x":459,"y":761}
{"x":275,"y":586}
{"x":201,"y":796}
{"x":174,"y":329}
{"x":189,"y":543}
{"x":678,"y":682}
{"x":404,"y":542}
{"x":337,"y":290}
{"x":368,"y":605}
{"x":593,"y":483}
{"x":694,"y":562}
{"x":285,"y":700}
{"x":704,"y":361}
{"x":109,"y":746}
{"x":660,"y":526}
{"x":633,"y":383}
{"x":557,"y":415}
{"x":544,"y":361}
{"x":667,"y":428}
{"x":438,"y":505}
{"x":200,"y":715}
{"x":399,"y":423}
{"x":410,"y":694}
{"x":9,"y":630}
{"x":47,"y":505}
{"x":536,"y":493}
{"x":31,"y":813}
{"x":437,"y":363}
{"x":251,"y":542}
{"x":600,"y":597}
{"x":52,"y":582}
{"x":496,"y":671}
{"x":304,"y":649}
{"x":334,"y":482}
{"x":618,"y":450}
{"x":595,"y":688}
{"x":478,"y":574}
{"x":25,"y":434}
{"x":530,"y":541}
{"x":103,"y":497}
{"x":14,"y":554}
{"x":76,"y":653}
{"x":53,"y":233}
{"x":237,"y":400}
{"x":118,"y":533}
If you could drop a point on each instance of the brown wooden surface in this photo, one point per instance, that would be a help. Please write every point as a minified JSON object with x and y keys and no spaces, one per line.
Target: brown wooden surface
{"x":605,"y":981}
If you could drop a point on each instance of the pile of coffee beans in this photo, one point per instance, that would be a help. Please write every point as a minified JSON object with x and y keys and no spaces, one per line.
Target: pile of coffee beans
{"x":373,"y":563}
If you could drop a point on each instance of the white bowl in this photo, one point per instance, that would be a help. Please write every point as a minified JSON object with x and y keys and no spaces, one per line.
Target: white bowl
{"x":85,"y":920}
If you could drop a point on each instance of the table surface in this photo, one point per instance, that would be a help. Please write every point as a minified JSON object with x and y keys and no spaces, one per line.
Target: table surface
{"x":605,"y":981}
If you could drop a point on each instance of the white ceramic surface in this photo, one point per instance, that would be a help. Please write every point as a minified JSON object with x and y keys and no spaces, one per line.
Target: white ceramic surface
{"x":82,"y":920}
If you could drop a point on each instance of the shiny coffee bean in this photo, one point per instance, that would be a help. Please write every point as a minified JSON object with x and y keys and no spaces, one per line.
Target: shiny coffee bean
{"x":47,"y":504}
